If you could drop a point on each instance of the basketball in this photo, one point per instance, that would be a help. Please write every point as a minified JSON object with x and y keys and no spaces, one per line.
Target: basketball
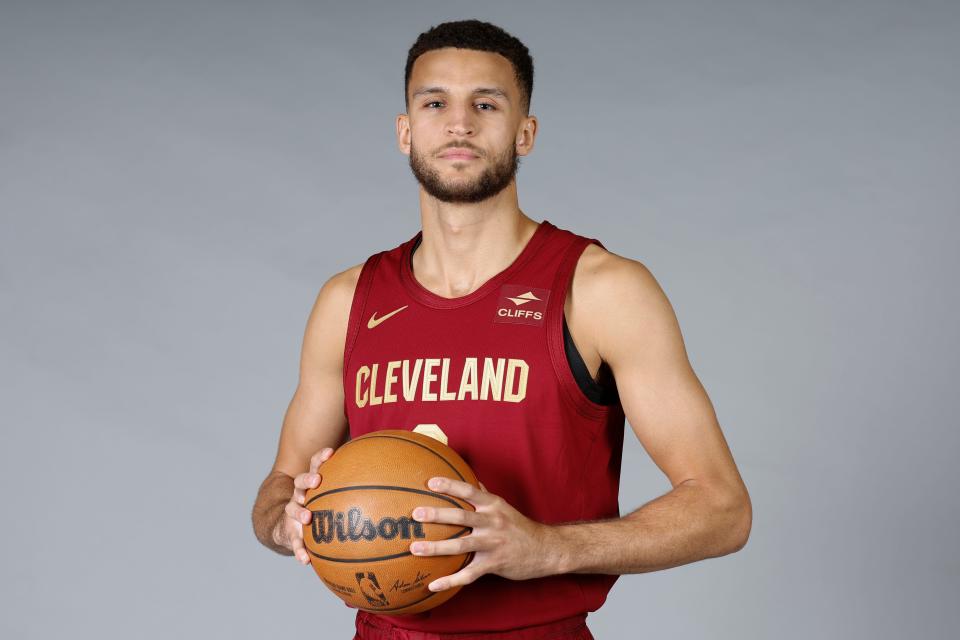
{"x":362,"y":527}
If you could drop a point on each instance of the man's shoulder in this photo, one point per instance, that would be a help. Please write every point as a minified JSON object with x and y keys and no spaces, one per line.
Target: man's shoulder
{"x":345,"y":282}
{"x":336,"y":294}
{"x":603,"y":278}
{"x":339,"y":289}
{"x":610,"y":297}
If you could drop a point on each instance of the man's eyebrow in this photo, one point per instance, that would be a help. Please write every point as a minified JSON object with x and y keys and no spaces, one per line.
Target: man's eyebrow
{"x":487,"y":91}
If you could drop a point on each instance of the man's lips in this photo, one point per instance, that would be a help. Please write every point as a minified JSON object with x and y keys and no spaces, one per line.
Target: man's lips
{"x":458,"y":155}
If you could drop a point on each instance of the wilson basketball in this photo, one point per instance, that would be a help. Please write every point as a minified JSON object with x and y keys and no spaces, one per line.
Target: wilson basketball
{"x":362,"y":528}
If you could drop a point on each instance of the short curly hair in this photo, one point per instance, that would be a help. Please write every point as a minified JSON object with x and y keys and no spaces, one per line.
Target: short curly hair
{"x":480,"y":36}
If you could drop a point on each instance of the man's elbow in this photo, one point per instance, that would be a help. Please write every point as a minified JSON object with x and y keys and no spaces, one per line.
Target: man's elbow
{"x":740,"y":514}
{"x":732,"y":517}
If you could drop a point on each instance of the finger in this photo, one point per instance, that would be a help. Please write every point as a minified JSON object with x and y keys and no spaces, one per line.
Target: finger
{"x":460,"y":578}
{"x":319,"y":458}
{"x":451,"y":516}
{"x":307,"y":480}
{"x":464,"y":490}
{"x":483,"y":487}
{"x":448,"y":547}
{"x":299,"y":551}
{"x":298,"y":513}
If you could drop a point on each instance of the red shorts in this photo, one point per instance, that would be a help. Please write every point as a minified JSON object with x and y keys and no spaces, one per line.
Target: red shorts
{"x":370,"y":627}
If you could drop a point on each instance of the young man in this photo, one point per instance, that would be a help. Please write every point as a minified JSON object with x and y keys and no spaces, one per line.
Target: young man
{"x":586,"y":338}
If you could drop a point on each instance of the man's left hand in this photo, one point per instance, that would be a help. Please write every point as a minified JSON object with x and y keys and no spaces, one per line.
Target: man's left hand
{"x":504,"y":541}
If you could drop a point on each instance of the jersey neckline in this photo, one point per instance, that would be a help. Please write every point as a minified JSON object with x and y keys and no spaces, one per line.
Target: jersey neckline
{"x":431,"y":299}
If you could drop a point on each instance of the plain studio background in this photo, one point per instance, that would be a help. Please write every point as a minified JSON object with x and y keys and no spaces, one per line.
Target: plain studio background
{"x":178,"y":179}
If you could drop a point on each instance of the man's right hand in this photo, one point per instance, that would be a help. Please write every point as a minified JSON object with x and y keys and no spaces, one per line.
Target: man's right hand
{"x":289,"y":530}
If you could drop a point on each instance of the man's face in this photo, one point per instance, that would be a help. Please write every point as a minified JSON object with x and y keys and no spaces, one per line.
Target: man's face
{"x":464,"y":124}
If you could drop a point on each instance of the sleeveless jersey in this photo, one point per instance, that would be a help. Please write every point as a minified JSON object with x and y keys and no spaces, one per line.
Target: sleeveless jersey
{"x":489,"y":369}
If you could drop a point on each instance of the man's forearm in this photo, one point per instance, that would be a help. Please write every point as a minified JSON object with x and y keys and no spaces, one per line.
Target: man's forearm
{"x":689,"y":523}
{"x":268,"y":510}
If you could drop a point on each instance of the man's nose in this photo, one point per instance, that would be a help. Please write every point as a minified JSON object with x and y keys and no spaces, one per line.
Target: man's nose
{"x":462,"y":121}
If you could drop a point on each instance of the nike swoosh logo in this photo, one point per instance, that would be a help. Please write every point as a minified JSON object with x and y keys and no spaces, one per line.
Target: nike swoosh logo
{"x":374,"y":320}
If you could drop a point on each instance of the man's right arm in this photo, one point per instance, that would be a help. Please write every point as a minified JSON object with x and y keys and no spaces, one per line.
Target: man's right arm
{"x":315,"y":418}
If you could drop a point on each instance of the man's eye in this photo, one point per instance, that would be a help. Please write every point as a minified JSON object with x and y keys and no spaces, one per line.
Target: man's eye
{"x":482,"y":104}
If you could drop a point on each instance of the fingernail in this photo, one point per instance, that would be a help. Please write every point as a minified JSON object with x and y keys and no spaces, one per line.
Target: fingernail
{"x":418,"y":514}
{"x":434,"y":483}
{"x":417,"y":547}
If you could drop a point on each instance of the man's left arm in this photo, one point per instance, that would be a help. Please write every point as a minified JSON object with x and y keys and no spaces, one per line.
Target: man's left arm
{"x":706,"y":514}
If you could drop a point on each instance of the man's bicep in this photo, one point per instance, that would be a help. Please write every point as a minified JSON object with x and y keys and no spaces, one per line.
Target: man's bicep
{"x":315,"y":418}
{"x":662,"y":398}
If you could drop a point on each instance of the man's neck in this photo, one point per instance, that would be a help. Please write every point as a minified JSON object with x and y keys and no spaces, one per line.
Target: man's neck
{"x":464,"y":245}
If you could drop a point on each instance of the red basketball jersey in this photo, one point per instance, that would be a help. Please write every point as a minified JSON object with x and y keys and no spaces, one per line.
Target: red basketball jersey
{"x":490,"y":370}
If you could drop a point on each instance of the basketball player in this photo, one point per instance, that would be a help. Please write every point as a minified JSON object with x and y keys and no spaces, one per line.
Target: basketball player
{"x":528,"y":345}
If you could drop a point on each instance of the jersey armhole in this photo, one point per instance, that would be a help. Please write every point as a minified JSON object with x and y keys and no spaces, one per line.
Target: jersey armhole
{"x":357,"y":307}
{"x":554,"y":330}
{"x":600,"y":393}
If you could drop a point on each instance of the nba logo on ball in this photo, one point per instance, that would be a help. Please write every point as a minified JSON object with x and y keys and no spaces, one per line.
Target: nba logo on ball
{"x":520,"y":304}
{"x":370,"y":588}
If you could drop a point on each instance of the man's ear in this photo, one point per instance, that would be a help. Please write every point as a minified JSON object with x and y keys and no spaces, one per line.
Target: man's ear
{"x":526,"y":136}
{"x":403,"y":133}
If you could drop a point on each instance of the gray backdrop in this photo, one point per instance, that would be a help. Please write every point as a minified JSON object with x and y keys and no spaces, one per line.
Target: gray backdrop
{"x":177,"y":179}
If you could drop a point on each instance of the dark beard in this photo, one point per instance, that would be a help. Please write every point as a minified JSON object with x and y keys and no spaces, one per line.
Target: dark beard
{"x":492,"y":181}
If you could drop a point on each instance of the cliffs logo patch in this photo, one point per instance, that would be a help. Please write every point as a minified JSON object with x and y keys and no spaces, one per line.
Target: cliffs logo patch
{"x":520,"y":304}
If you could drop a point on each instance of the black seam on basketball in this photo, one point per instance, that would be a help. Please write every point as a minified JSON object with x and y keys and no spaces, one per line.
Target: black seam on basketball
{"x":373,"y":435}
{"x":390,"y":557}
{"x":385,"y":487}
